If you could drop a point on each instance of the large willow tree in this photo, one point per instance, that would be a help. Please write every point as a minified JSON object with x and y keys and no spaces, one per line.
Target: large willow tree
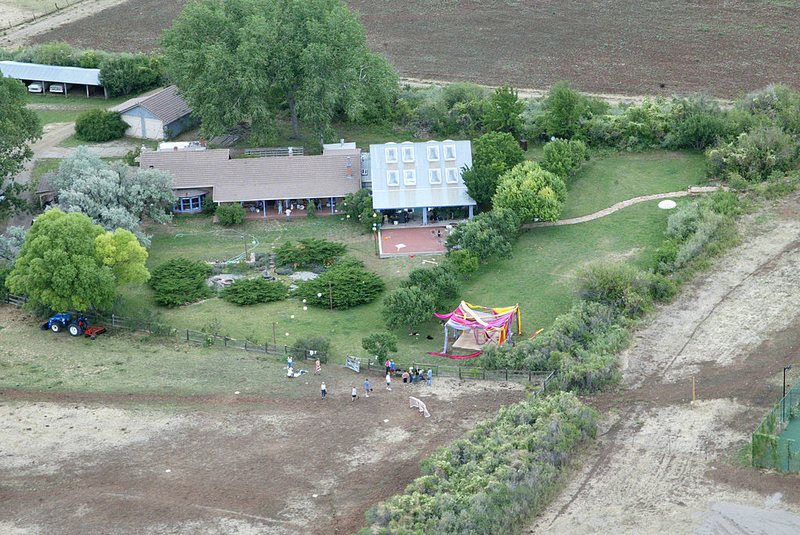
{"x":237,"y":60}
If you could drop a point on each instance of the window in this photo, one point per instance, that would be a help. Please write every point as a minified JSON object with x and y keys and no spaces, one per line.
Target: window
{"x":393,"y":178}
{"x":435,"y":176}
{"x":410,"y":177}
{"x":449,"y":152}
{"x":391,"y":154}
{"x":433,"y":154}
{"x":408,"y":154}
{"x":452,"y":175}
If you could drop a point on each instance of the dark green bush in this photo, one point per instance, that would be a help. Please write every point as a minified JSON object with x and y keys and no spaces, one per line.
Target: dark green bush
{"x":345,"y":285}
{"x":124,"y":73}
{"x":99,"y":125}
{"x":619,"y":285}
{"x":208,"y":206}
{"x":308,"y":251}
{"x":230,"y":214}
{"x":253,"y":291}
{"x":180,"y":281}
{"x":438,"y":282}
{"x":563,"y":157}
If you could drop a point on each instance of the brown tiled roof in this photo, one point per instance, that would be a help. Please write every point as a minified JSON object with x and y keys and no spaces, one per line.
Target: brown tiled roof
{"x":250,"y":179}
{"x":165,"y":104}
{"x":189,"y":168}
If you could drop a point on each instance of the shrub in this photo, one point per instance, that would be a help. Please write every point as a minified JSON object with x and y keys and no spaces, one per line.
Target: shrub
{"x":464,"y":262}
{"x":99,"y":125}
{"x":347,"y":284}
{"x":438,"y":282}
{"x":252,"y":291}
{"x":407,"y":307}
{"x":123,"y":74}
{"x":563,"y":157}
{"x":531,"y":193}
{"x":308,"y":251}
{"x":208,"y":206}
{"x":495,"y":478}
{"x":284,"y":270}
{"x":230,"y":214}
{"x":619,"y":285}
{"x":755,"y":155}
{"x":487,"y":235}
{"x":180,"y":281}
{"x":379,"y":345}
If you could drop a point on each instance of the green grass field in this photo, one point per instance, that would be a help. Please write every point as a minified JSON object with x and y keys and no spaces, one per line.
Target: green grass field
{"x":120,"y":362}
{"x":608,"y":180}
{"x":540,"y":276}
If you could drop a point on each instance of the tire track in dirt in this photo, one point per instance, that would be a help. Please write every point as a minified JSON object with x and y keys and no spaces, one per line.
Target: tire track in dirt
{"x":768,"y":266}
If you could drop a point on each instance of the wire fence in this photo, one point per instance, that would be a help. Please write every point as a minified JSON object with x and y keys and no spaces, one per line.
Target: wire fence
{"x":775,"y":443}
{"x":36,"y":16}
{"x":538,"y":378}
{"x":465,"y":372}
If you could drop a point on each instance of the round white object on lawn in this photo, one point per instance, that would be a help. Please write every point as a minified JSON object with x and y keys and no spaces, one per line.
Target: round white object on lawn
{"x":667,"y":204}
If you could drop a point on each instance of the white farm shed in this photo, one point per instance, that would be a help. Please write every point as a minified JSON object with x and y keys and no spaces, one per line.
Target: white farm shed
{"x":161,"y":115}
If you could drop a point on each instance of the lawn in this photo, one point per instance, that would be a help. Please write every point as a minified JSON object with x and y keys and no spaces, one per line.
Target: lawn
{"x":120,"y":362}
{"x":608,"y":180}
{"x":540,"y":276}
{"x":65,"y":109}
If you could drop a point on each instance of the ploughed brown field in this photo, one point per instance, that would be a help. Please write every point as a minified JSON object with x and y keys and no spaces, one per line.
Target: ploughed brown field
{"x":625,"y":47}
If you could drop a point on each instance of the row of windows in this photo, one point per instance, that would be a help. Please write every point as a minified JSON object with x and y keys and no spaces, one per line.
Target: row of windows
{"x":410,"y":177}
{"x":432,"y":150}
{"x":189,"y":204}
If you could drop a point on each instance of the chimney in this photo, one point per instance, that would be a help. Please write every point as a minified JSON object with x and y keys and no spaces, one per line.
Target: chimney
{"x":202,"y":142}
{"x":341,"y":142}
{"x":175,"y":148}
{"x":349,"y":167}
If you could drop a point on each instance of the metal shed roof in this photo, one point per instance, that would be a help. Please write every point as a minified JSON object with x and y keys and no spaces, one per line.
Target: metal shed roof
{"x":50,"y":73}
{"x":418,"y":175}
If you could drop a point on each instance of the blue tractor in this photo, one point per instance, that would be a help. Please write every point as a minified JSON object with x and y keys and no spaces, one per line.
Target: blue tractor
{"x":75,"y":325}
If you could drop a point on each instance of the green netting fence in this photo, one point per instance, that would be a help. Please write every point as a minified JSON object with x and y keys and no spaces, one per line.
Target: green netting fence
{"x":776,"y":442}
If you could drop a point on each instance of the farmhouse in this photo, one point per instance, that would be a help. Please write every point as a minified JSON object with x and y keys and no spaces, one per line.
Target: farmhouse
{"x":420,"y":178}
{"x":53,"y":78}
{"x":161,"y":115}
{"x":264,"y":184}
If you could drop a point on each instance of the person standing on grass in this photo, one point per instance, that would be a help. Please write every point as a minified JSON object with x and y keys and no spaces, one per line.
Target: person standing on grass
{"x":389,"y":382}
{"x":318,"y":368}
{"x":323,"y":390}
{"x":354,"y":394}
{"x":288,"y":214}
{"x":366,"y":388}
{"x":289,"y":360}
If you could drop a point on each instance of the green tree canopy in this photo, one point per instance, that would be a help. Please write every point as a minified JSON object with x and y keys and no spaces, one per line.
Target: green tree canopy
{"x":122,"y":252}
{"x":380,"y":345}
{"x":486,"y":235}
{"x":407,"y":307}
{"x":531,"y":193}
{"x":237,"y":60}
{"x":19,"y":126}
{"x":504,"y":113}
{"x":69,"y":263}
{"x":495,"y":153}
{"x":115,"y":196}
{"x":565,"y":108}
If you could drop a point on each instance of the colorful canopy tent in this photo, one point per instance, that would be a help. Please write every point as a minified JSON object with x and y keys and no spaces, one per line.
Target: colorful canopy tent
{"x":486,"y":325}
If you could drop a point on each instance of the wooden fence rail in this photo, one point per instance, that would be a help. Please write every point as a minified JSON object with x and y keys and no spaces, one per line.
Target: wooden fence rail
{"x":467,"y":372}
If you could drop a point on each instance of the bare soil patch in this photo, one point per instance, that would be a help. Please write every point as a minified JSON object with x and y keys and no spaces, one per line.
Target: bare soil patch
{"x":84,"y":463}
{"x":662,"y":466}
{"x":619,"y":47}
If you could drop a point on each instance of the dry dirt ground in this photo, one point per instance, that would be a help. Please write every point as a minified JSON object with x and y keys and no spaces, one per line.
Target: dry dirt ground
{"x":80,"y":463}
{"x":661,"y":466}
{"x":619,"y":47}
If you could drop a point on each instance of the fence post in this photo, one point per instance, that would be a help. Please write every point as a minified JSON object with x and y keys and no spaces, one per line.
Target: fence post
{"x":459,"y":371}
{"x":187,"y":335}
{"x":225,"y":341}
{"x":266,"y":348}
{"x":506,"y":375}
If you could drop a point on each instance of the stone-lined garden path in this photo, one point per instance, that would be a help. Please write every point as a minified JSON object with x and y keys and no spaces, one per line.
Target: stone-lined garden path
{"x":692,"y":190}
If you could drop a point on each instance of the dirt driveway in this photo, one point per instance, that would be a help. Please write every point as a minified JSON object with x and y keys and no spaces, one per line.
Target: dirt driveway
{"x":662,"y":466}
{"x":76,"y":463}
